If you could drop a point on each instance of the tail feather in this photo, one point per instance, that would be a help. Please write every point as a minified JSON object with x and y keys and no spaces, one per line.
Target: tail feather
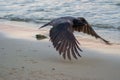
{"x":45,"y":25}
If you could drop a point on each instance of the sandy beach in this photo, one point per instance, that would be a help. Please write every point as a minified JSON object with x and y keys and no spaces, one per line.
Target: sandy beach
{"x":22,"y":57}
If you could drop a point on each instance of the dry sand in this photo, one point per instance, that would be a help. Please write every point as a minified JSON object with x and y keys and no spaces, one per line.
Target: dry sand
{"x":22,"y":57}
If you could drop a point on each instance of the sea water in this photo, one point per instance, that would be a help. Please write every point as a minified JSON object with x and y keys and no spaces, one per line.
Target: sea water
{"x":103,"y":15}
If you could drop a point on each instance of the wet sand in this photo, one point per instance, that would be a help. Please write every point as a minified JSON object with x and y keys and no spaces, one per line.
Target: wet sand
{"x":22,"y":57}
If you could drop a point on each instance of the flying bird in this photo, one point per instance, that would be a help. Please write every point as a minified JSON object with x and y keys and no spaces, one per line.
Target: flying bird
{"x":62,"y":37}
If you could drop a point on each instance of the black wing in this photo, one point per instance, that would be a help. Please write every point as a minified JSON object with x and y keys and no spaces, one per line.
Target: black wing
{"x":64,"y":41}
{"x":89,"y":30}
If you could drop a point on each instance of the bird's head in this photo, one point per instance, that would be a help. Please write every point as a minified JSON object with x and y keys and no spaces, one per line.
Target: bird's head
{"x":80,"y":21}
{"x":83,"y":20}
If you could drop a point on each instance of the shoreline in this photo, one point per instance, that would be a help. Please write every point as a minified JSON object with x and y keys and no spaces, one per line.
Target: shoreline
{"x":19,"y":31}
{"x":22,"y":57}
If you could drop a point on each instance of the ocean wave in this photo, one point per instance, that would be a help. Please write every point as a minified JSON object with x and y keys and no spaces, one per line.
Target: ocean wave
{"x":22,"y":19}
{"x":45,"y":20}
{"x":118,"y":4}
{"x":106,"y":26}
{"x":16,"y":19}
{"x":118,"y":28}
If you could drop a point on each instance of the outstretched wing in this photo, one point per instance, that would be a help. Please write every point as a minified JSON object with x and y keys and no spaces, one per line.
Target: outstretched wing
{"x":89,"y":30}
{"x":64,"y":41}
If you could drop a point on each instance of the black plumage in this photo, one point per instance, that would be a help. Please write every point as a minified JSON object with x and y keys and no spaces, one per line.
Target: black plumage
{"x":62,"y":37}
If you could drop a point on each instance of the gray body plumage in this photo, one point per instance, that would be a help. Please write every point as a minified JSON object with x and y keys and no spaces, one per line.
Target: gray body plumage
{"x":60,"y":20}
{"x":62,"y":37}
